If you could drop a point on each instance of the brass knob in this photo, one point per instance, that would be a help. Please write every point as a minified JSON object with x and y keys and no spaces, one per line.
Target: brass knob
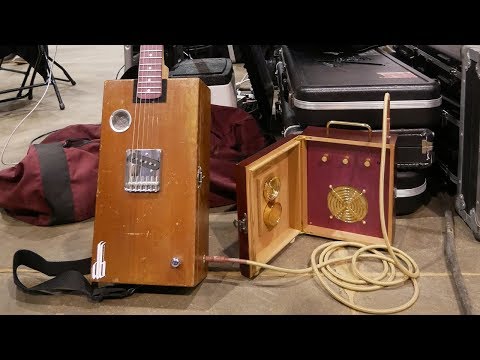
{"x":325,"y":157}
{"x":367,"y":163}
{"x":271,"y":188}
{"x":345,"y":160}
{"x":272,"y":214}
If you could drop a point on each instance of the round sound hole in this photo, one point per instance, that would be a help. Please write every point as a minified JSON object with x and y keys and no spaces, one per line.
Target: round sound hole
{"x":347,"y":203}
{"x":120,"y":120}
{"x":272,"y":214}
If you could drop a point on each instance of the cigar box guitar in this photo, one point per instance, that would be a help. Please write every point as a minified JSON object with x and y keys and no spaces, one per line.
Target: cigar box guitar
{"x":323,"y":182}
{"x":151,"y":219}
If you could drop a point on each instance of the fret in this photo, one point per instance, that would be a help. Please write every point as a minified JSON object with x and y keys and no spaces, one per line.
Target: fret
{"x":148,"y":92}
{"x":149,"y":87}
{"x":150,"y":76}
{"x":150,"y":50}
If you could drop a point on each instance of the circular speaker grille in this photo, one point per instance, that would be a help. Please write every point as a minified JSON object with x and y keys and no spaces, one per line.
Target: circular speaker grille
{"x":347,"y":203}
{"x":271,"y":189}
{"x":120,"y":120}
{"x":272,"y":214}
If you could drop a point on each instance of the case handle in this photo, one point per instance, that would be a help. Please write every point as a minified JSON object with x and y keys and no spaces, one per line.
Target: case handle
{"x":349,"y":123}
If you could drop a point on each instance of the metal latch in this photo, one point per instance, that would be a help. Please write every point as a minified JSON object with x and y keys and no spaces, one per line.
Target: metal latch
{"x":427,"y":146}
{"x":200,"y":177}
{"x":241,"y":225}
{"x":290,"y":99}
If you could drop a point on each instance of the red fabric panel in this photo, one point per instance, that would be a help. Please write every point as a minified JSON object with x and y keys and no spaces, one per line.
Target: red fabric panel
{"x":333,"y":172}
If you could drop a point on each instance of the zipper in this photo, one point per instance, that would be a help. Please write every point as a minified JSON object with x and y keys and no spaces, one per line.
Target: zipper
{"x":76,"y":142}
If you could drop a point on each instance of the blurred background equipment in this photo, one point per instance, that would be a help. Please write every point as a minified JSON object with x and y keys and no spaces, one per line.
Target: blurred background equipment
{"x":215,"y":72}
{"x":37,"y":58}
{"x":444,"y":64}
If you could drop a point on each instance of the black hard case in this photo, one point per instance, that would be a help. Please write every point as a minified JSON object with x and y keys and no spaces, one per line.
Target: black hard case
{"x":212,"y":71}
{"x":443,"y":63}
{"x":411,"y":191}
{"x":414,"y":148}
{"x":467,"y":201}
{"x":321,"y":88}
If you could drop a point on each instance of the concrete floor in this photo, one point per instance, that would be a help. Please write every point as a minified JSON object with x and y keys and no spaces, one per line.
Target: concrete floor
{"x":225,"y":291}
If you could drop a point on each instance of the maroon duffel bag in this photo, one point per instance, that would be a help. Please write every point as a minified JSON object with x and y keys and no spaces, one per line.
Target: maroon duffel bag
{"x":56,"y":182}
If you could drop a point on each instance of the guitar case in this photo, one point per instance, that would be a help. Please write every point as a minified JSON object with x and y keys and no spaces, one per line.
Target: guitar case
{"x":411,"y":191}
{"x":319,"y":87}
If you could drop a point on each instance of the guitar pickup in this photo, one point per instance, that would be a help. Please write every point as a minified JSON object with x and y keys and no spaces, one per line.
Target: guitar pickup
{"x":142,"y":170}
{"x":146,"y":161}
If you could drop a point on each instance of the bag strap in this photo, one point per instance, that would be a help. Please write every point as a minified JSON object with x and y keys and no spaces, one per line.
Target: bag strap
{"x":68,"y":277}
{"x":55,"y":177}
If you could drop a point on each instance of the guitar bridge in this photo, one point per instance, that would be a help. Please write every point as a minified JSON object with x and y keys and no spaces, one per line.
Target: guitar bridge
{"x":142,"y":170}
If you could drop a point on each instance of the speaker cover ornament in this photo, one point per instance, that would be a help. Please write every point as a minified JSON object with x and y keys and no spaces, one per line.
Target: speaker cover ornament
{"x":347,"y":204}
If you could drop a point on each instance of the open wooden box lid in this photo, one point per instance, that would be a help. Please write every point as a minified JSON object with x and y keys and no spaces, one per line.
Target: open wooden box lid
{"x":310,"y":176}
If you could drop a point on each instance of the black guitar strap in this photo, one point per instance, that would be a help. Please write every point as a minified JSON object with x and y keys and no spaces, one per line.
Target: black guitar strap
{"x":68,"y":277}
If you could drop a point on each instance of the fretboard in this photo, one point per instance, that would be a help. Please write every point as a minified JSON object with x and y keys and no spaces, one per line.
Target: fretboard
{"x":149,"y":85}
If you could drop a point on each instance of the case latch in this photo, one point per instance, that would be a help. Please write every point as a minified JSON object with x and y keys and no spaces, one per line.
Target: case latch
{"x":427,"y":146}
{"x":200,"y":177}
{"x":241,"y":225}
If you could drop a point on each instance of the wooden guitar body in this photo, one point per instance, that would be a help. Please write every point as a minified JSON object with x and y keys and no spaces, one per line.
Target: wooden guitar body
{"x":151,"y":220}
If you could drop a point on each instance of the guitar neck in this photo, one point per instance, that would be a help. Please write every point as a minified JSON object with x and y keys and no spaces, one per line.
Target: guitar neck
{"x":150,"y":64}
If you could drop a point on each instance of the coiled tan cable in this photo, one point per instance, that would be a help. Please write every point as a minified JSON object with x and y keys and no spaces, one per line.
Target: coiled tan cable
{"x":322,"y":260}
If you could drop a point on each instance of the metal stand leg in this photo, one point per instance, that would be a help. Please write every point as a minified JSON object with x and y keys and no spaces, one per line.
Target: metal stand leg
{"x":60,"y":101}
{"x":43,"y":52}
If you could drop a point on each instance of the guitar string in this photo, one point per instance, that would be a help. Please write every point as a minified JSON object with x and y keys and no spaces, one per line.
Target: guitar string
{"x":141,"y":115}
{"x":161,"y":48}
{"x":136,"y":132}
{"x":141,"y":110}
{"x":148,"y":104}
{"x":152,"y":112}
{"x":155,"y":56}
{"x":146,"y":99}
{"x":155,"y":126}
{"x":134,"y":149}
{"x":152,"y":85}
{"x":143,"y":102}
{"x":135,"y":120}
